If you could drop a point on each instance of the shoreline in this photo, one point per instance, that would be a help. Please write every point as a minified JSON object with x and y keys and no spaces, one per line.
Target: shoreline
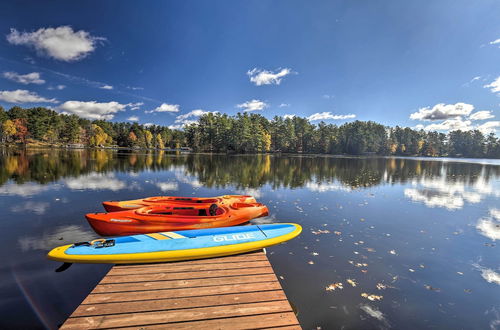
{"x":290,"y":154}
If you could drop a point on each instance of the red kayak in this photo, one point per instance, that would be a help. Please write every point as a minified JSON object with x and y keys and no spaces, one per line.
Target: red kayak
{"x":113,"y":206}
{"x":154,"y":219}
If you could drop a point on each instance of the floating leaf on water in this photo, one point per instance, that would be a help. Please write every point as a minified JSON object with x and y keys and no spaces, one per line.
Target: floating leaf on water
{"x":281,"y":277}
{"x":428,"y":287}
{"x":315,"y":254}
{"x":460,"y":273}
{"x":371,"y":297}
{"x":358,"y":264}
{"x":351,"y":282}
{"x":421,"y":266}
{"x":370,"y":249}
{"x":392,"y":252}
{"x":310,"y":262}
{"x":356,"y":252}
{"x":364,"y":271}
{"x":411,"y":270}
{"x":467,"y":290}
{"x":319,"y":232}
{"x":381,"y":286}
{"x":334,"y":286}
{"x":337,"y":233}
{"x":351,"y":262}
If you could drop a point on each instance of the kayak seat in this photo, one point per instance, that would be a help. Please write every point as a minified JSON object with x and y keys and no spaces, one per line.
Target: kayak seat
{"x":213,"y":209}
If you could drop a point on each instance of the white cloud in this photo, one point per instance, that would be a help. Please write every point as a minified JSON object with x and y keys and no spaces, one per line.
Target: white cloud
{"x":192,"y":114}
{"x":133,"y":118}
{"x":288,"y":116}
{"x":30,"y":60}
{"x":329,"y":115}
{"x":180,"y":126}
{"x":165,"y":107}
{"x":29,"y":78}
{"x":106,"y":87}
{"x":264,"y":77}
{"x":489,"y":126}
{"x":135,"y":106}
{"x":481,"y":115}
{"x":450,"y":125}
{"x":148,"y":124}
{"x":61,"y":43}
{"x":168,"y":186}
{"x":23,"y":96}
{"x":253,"y":105}
{"x":463,"y":125}
{"x":95,"y":181}
{"x":58,"y":87}
{"x":284,"y":105}
{"x":495,"y":42}
{"x":328,"y":96}
{"x":475,"y":78}
{"x":442,"y":111}
{"x":135,"y":88}
{"x":494,"y":86}
{"x":92,"y":109}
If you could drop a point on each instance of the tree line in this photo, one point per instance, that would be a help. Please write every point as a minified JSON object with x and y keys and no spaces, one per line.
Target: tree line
{"x":245,"y":133}
{"x":255,"y":133}
{"x":45,"y":125}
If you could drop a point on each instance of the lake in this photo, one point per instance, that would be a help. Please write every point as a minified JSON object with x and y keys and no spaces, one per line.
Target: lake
{"x":387,"y":242}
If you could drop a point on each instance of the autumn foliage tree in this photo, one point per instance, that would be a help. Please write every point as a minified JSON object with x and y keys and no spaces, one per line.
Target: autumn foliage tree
{"x":9,"y":130}
{"x":21,"y":129}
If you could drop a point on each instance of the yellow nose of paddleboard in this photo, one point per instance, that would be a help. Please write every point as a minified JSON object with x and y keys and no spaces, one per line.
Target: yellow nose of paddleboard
{"x":58,"y":254}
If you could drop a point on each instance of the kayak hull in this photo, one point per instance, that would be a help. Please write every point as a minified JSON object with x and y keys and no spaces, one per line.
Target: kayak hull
{"x":185,"y":245}
{"x":116,"y":206}
{"x":151,"y":220}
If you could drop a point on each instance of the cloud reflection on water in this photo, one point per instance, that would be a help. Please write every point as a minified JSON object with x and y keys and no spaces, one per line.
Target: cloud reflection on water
{"x":490,"y":226}
{"x":24,"y":189}
{"x":38,"y":208}
{"x":95,"y":181}
{"x":444,"y":192}
{"x":60,"y":236}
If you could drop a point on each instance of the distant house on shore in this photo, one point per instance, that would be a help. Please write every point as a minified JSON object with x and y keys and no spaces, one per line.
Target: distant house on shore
{"x":75,"y":146}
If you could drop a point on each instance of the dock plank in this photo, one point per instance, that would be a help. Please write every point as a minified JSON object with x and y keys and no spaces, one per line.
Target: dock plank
{"x":192,"y":283}
{"x":235,"y":292}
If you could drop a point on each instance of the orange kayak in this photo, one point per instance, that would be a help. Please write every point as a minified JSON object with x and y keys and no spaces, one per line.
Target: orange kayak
{"x":152,"y":219}
{"x":113,"y":206}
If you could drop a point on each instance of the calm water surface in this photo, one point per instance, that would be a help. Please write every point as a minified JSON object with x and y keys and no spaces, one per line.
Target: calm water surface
{"x":387,"y":242}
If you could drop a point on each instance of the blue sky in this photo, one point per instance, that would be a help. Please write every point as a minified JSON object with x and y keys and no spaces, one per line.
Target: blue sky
{"x":429,"y":64}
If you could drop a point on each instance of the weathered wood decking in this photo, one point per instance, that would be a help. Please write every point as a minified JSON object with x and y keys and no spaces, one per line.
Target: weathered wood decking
{"x":235,"y":292}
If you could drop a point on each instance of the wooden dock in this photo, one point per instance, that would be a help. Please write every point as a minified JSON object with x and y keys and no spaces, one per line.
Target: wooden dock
{"x":235,"y":292}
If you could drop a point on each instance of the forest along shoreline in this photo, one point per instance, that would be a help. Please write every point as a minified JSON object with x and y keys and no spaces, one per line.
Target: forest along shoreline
{"x":242,"y":133}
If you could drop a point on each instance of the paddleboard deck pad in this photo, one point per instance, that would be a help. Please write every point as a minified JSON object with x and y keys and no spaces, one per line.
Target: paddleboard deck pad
{"x":176,"y":245}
